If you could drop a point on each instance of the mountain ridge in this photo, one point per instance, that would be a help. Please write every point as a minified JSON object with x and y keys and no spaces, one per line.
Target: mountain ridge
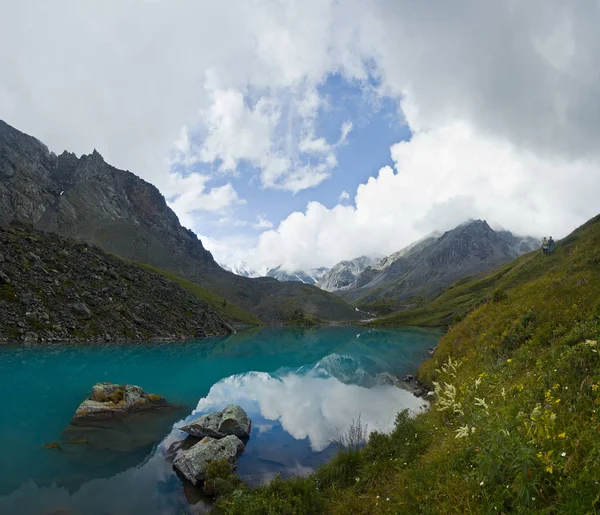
{"x":427,"y":266}
{"x":87,"y":199}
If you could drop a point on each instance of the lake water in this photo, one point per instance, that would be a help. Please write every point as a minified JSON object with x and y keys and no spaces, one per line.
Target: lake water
{"x":301,"y":387}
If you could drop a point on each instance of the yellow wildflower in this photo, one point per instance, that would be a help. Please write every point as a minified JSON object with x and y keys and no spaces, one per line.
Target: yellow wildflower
{"x":562,"y":435}
{"x":509,"y":360}
{"x":549,"y":469}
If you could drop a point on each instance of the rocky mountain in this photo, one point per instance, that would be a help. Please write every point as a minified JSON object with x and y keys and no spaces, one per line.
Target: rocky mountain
{"x":311,"y":276}
{"x":434,"y":263}
{"x":89,"y":200}
{"x":57,"y":289}
{"x":345,"y":273}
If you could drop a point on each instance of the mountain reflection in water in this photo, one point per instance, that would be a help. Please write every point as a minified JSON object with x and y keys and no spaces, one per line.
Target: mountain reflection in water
{"x":297,"y":410}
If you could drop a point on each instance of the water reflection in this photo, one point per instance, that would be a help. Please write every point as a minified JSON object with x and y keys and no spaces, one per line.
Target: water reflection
{"x":318,"y":382}
{"x":314,"y":406}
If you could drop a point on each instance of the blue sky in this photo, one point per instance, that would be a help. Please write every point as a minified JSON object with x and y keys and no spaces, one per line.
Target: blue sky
{"x":376,"y":125}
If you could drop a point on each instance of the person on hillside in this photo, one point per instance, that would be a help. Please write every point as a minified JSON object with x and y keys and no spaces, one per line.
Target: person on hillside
{"x":551,"y":246}
{"x":545,"y":246}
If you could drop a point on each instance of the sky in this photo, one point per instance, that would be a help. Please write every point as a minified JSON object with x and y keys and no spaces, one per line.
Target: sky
{"x":301,"y":133}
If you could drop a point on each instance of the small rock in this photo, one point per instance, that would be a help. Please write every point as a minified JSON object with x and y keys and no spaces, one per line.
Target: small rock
{"x":233,"y":420}
{"x":110,"y":400}
{"x":193,"y":462}
{"x":81,"y":309}
{"x":4,"y":279}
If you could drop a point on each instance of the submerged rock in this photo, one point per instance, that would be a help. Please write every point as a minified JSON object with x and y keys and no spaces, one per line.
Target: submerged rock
{"x":233,"y":420}
{"x":110,"y":400}
{"x":193,"y":462}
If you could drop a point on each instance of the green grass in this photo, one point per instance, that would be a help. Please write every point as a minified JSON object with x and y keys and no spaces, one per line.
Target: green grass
{"x":515,"y":424}
{"x":226,"y":309}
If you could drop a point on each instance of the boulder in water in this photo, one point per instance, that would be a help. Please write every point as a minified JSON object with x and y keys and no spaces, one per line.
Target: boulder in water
{"x":233,"y":420}
{"x":192,"y":463}
{"x":110,"y":400}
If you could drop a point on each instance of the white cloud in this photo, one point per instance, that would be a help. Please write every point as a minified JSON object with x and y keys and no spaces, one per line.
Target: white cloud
{"x":346,"y":129}
{"x":262,"y":223}
{"x":442,"y":178}
{"x":187,"y":195}
{"x":502,"y":98}
{"x":344,"y":195}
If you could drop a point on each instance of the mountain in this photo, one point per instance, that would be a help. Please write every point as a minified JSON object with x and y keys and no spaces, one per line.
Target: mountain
{"x":243,"y":269}
{"x":89,"y":200}
{"x":57,"y":289}
{"x":311,"y":276}
{"x":344,"y":274}
{"x":427,"y":266}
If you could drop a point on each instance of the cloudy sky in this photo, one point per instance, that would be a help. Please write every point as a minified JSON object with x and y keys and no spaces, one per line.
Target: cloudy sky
{"x":305,"y":132}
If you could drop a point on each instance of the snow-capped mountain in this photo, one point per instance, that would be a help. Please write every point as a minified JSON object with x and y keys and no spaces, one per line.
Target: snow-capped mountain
{"x":311,"y":276}
{"x":242,"y":268}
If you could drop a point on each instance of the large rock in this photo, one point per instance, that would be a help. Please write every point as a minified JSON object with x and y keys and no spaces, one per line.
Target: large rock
{"x":193,"y":462}
{"x":233,"y":420}
{"x":110,"y":400}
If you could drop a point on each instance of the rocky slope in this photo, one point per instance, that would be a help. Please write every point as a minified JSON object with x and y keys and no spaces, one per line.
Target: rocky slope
{"x":87,"y":199}
{"x":428,"y":266}
{"x":344,"y":274}
{"x":56,"y":289}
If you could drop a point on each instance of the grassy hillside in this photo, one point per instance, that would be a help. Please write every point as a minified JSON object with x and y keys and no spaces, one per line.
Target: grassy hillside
{"x":515,"y":424}
{"x":229,"y":311}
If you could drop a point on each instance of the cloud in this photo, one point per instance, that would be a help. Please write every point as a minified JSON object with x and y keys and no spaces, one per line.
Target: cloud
{"x":344,"y":195}
{"x":441,"y":178}
{"x":346,"y":129}
{"x":187,"y":195}
{"x":262,"y":223}
{"x":501,"y":97}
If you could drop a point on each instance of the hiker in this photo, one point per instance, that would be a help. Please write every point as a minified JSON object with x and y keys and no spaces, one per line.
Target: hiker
{"x":545,"y":246}
{"x":551,"y":246}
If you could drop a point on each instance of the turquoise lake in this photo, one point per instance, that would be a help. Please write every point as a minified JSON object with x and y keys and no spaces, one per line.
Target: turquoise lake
{"x":302,"y":388}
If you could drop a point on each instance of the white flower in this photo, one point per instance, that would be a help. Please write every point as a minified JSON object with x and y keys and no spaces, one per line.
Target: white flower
{"x":462,"y":432}
{"x":563,"y":454}
{"x":481,"y":402}
{"x":481,"y":484}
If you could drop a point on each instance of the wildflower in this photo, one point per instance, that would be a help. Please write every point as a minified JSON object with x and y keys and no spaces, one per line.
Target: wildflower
{"x":357,"y":479}
{"x":563,"y":454}
{"x":481,"y":484}
{"x":481,"y":402}
{"x":509,"y":360}
{"x":387,"y":498}
{"x":462,"y":432}
{"x":562,"y":435}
